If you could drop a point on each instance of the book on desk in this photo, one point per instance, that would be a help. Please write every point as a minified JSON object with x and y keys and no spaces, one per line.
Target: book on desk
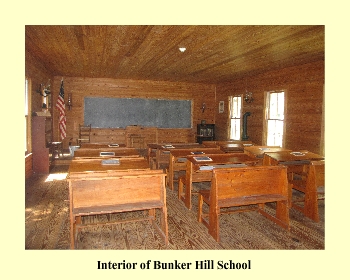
{"x":107,"y":154}
{"x":202,"y":159}
{"x":197,"y":153}
{"x":113,"y":145}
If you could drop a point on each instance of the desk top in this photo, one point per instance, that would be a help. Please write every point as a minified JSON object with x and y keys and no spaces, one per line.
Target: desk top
{"x":224,"y":142}
{"x":93,"y":166}
{"x":163,"y":146}
{"x":118,"y":152}
{"x":227,"y":158}
{"x":290,"y":156}
{"x":230,"y":145}
{"x":195,"y":151}
{"x":227,"y":147}
{"x":234,"y":145}
{"x":259,"y":151}
{"x":101,"y":145}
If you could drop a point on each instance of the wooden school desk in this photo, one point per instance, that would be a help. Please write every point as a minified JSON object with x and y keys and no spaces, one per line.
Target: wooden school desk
{"x":177,"y":161}
{"x":104,"y":153}
{"x":160,"y":152}
{"x":297,"y":162}
{"x":101,"y":145}
{"x":96,"y":188}
{"x":201,"y":171}
{"x":90,"y":166}
{"x":259,"y":151}
{"x":232,"y":147}
{"x":229,"y":146}
{"x":220,"y":142}
{"x":294,"y":160}
{"x":290,"y":157}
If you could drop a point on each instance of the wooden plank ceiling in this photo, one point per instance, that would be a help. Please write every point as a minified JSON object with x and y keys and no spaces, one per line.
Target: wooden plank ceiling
{"x":214,"y":54}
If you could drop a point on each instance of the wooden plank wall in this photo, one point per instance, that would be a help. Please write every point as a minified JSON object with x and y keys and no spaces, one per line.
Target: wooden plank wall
{"x":151,"y":134}
{"x":304,"y":86}
{"x":38,"y":74}
{"x":105,"y":87}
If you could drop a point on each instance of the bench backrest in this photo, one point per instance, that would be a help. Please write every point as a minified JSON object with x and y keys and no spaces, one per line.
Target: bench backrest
{"x":128,"y":188}
{"x":249,"y":181}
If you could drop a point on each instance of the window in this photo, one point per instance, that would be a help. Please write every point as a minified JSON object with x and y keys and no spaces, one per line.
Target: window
{"x":26,"y":113}
{"x":235,"y":117}
{"x":274,"y":118}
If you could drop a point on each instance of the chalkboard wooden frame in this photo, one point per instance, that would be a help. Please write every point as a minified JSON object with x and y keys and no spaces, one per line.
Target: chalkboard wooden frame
{"x":106,"y":112}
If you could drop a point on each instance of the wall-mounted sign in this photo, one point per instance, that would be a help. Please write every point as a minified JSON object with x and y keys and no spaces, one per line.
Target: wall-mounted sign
{"x":221,"y":106}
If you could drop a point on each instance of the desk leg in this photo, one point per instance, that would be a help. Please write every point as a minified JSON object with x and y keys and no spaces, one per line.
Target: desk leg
{"x":164,"y":223}
{"x":188,"y":188}
{"x":149,"y":151}
{"x":157,"y":158}
{"x":72,"y":233}
{"x":214,"y":216}
{"x":152,"y":215}
{"x":171,"y":173}
{"x":282,"y":213}
{"x":311,"y":203}
{"x":71,"y":217}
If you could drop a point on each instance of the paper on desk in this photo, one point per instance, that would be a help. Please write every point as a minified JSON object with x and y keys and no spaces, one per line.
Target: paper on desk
{"x":168,"y":146}
{"x":110,"y":162}
{"x":197,"y":153}
{"x":211,"y":167}
{"x":113,"y":145}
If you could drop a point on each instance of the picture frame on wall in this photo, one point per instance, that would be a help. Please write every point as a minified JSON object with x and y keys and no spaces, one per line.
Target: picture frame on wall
{"x":221,"y":106}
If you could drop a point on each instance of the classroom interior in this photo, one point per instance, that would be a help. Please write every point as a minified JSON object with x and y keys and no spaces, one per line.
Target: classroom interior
{"x":137,"y":89}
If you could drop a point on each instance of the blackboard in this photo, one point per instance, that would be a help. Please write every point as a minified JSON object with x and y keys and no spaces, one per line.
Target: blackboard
{"x":122,"y":112}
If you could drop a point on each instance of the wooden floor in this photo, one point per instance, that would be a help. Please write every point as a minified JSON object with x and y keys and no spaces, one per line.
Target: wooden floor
{"x":47,"y":225}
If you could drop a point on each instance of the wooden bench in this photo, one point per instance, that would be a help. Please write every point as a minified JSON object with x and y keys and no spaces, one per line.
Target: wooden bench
{"x":243,"y":187}
{"x":119,"y":191}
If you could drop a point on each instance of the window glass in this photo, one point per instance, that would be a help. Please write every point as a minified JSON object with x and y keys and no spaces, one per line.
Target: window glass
{"x":26,"y":110}
{"x":235,"y":117}
{"x":275,"y":118}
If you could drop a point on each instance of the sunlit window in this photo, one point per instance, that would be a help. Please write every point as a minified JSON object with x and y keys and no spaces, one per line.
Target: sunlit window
{"x":275,"y":118}
{"x":235,"y":117}
{"x":26,"y":110}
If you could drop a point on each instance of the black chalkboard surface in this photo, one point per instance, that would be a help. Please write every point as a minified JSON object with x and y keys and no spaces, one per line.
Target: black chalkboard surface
{"x":121,"y":112}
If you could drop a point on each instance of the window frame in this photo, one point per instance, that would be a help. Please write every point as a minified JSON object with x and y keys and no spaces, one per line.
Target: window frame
{"x":230,"y":113}
{"x":27,"y":114}
{"x":267,"y":115}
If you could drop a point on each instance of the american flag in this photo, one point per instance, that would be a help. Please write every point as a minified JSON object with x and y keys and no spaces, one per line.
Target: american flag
{"x":61,"y":108}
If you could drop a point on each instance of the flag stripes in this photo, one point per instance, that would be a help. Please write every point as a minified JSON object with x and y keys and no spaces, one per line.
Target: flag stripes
{"x":62,"y":110}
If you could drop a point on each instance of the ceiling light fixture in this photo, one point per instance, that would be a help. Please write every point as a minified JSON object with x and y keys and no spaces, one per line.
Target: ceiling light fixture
{"x":182,"y":49}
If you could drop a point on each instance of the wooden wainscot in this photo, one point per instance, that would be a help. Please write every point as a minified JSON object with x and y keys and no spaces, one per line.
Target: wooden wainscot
{"x":244,"y":187}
